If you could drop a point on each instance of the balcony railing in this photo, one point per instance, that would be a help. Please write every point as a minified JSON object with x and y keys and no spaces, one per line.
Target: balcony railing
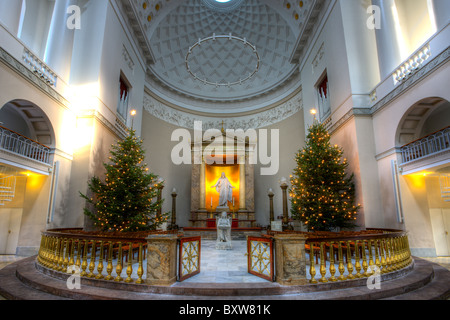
{"x":16,"y":143}
{"x":426,"y":146}
{"x":39,"y":67}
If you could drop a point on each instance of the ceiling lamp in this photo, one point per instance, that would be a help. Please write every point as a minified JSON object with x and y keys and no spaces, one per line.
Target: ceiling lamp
{"x":229,"y":37}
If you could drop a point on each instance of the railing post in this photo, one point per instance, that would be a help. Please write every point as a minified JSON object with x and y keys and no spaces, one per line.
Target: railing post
{"x":161,"y":259}
{"x":290,"y":259}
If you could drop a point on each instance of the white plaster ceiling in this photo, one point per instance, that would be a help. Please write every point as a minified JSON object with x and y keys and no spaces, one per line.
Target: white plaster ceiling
{"x":172,"y":27}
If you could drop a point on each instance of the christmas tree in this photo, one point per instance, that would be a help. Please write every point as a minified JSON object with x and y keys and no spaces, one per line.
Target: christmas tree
{"x":322,"y":196}
{"x":125,"y":201}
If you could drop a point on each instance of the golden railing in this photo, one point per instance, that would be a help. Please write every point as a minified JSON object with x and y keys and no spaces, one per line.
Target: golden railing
{"x":353,"y":255}
{"x":109,"y":257}
{"x":357,"y":256}
{"x":332,"y":256}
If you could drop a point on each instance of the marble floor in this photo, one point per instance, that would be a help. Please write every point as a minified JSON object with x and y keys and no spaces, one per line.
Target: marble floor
{"x":224,"y":266}
{"x":6,"y":260}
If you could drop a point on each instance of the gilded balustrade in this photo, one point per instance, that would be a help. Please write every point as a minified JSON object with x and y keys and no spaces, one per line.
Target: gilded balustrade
{"x":364,"y":255}
{"x":87,"y":255}
{"x":332,"y":257}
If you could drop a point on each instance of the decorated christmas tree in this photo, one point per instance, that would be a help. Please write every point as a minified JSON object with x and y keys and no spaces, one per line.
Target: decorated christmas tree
{"x":126,"y":201}
{"x":322,"y":195}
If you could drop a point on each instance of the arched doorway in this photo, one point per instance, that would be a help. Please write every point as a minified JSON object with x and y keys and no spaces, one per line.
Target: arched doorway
{"x":423,"y":137}
{"x":28,"y":119}
{"x":26,"y":142}
{"x":424,"y":117}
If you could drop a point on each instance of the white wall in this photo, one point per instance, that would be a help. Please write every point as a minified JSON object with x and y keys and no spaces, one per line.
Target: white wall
{"x":413,"y":192}
{"x":334,"y":62}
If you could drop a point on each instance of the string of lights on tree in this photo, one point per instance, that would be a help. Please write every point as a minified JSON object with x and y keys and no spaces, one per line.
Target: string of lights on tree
{"x":322,"y":195}
{"x":125,"y":201}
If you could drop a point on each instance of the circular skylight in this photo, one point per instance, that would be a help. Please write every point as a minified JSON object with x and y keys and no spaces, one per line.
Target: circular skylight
{"x":223,"y":5}
{"x":230,"y":51}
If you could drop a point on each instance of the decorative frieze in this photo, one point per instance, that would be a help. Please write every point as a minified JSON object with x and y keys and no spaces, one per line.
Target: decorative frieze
{"x":255,"y":121}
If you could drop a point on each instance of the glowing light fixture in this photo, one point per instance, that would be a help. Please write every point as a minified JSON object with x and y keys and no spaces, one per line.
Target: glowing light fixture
{"x":133,"y":114}
{"x":313,"y":112}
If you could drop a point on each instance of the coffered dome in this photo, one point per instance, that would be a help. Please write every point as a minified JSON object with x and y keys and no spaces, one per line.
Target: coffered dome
{"x":222,"y":57}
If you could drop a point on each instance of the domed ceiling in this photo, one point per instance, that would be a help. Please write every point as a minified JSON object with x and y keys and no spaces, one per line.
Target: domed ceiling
{"x":222,"y":57}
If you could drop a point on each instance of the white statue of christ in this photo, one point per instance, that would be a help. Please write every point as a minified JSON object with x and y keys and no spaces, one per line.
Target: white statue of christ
{"x":225,"y":190}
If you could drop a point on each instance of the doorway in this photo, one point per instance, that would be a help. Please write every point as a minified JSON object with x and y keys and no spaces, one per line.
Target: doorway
{"x":440,"y":222}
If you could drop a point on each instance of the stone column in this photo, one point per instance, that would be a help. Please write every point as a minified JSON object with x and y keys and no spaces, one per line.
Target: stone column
{"x":10,"y":13}
{"x":388,"y":38}
{"x":242,"y":205}
{"x":271,"y":213}
{"x":58,"y":54}
{"x":441,"y":10}
{"x":361,"y":45}
{"x":202,"y":185}
{"x":161,"y":260}
{"x":290,"y":259}
{"x":173,"y":222}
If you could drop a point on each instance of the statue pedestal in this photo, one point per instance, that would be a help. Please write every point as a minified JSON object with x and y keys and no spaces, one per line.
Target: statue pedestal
{"x":290,"y":259}
{"x":223,"y":245}
{"x":162,"y":260}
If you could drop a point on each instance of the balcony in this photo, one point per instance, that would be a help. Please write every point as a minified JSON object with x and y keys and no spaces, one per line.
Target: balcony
{"x":18,"y":149}
{"x":426,"y":152}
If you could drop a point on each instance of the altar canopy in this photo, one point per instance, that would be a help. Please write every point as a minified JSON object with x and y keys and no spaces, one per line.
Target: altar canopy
{"x":237,"y":176}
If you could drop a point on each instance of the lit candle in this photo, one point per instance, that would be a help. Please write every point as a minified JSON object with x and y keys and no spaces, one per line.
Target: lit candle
{"x":211,"y":202}
{"x":233,"y":201}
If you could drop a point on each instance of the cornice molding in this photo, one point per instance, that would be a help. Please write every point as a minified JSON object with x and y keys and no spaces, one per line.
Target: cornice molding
{"x":400,"y":89}
{"x":127,"y":10}
{"x":415,"y":78}
{"x":31,"y":77}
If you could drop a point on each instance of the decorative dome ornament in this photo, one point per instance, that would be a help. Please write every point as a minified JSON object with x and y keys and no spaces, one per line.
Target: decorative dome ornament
{"x":193,"y":50}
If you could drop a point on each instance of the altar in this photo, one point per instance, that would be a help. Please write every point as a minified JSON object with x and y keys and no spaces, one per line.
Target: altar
{"x":230,"y":163}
